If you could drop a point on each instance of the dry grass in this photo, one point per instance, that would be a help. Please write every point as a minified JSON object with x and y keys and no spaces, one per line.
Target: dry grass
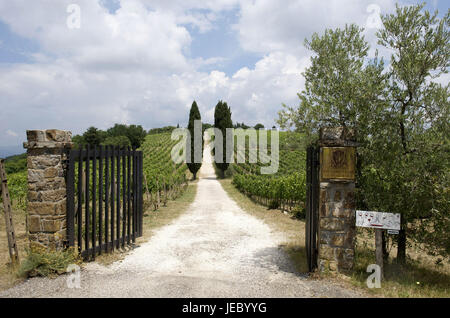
{"x":423,"y":276}
{"x":293,"y":229}
{"x":8,"y":272}
{"x":153,"y":220}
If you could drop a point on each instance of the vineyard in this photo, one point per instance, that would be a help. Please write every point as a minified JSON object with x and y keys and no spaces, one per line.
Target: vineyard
{"x":163,"y":179}
{"x":17,"y":186}
{"x":285,"y":189}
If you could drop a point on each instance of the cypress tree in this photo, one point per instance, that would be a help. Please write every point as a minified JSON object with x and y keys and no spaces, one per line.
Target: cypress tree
{"x":194,"y":114}
{"x":222,"y":121}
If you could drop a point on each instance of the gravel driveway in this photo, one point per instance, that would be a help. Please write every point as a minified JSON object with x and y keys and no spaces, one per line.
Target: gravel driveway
{"x":215,"y":249}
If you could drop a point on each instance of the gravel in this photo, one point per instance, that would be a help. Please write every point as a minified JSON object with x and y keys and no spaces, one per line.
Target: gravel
{"x":214,"y":249}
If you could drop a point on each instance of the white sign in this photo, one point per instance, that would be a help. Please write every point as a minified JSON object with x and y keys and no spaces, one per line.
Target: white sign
{"x":378,"y":220}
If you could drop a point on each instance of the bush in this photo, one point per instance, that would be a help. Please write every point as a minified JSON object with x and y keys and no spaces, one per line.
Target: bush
{"x":299,"y":213}
{"x":41,"y":261}
{"x":120,"y":141}
{"x":16,"y":163}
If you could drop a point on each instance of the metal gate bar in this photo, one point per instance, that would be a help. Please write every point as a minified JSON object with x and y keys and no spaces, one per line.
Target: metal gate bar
{"x":312,"y":205}
{"x":112,"y":176}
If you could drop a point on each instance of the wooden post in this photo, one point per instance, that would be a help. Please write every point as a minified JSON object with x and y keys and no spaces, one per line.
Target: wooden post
{"x":379,"y":250}
{"x":12,"y":245}
{"x":146,"y":188}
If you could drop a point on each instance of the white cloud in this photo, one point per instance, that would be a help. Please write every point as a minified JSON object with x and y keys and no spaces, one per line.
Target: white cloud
{"x":11,"y":133}
{"x":266,"y":25}
{"x":131,"y":66}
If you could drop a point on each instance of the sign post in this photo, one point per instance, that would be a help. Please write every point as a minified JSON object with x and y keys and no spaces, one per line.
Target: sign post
{"x":379,"y":221}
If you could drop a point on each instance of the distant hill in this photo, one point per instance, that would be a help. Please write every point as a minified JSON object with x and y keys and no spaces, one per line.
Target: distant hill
{"x":7,"y":151}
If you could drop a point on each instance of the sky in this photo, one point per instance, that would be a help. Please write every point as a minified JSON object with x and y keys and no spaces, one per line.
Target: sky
{"x":72,"y":64}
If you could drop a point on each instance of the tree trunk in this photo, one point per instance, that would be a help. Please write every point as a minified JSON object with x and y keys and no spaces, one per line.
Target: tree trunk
{"x":195,"y":175}
{"x":401,"y":245}
{"x":384,"y":246}
{"x":379,"y":250}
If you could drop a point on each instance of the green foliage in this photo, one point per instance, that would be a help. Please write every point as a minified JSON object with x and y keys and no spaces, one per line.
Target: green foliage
{"x":135,"y":133}
{"x":222,"y":121}
{"x":118,"y":135}
{"x":18,"y":187}
{"x":118,"y":141}
{"x":206,"y":126}
{"x":16,"y":163}
{"x":41,"y":261}
{"x":167,"y":129}
{"x":259,"y":126}
{"x":194,"y":115}
{"x":341,"y":86}
{"x":242,"y":125}
{"x":160,"y":171}
{"x":78,"y":141}
{"x":401,"y":116}
{"x":412,"y":171}
{"x":285,"y":189}
{"x":94,"y":136}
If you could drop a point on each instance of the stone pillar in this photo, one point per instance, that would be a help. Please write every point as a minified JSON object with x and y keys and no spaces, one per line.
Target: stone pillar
{"x":337,"y":199}
{"x":46,"y":209}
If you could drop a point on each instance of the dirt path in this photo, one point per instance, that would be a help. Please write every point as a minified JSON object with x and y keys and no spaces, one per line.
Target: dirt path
{"x":213,"y":250}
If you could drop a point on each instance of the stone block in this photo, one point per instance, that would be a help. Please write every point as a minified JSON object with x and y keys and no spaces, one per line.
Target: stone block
{"x":337,"y":239}
{"x":337,"y":136}
{"x":337,"y":196}
{"x":53,"y":195}
{"x":58,"y":135}
{"x":333,"y":224}
{"x":61,"y":208}
{"x":43,"y":161}
{"x":325,"y":237}
{"x":323,"y":195}
{"x":51,"y":172}
{"x":51,"y":225}
{"x":323,"y":209}
{"x":326,"y":252}
{"x":34,"y":224}
{"x":332,"y":266}
{"x":36,"y":135}
{"x":35,"y":175}
{"x":41,"y":208}
{"x":340,"y":212}
{"x":33,"y":196}
{"x":349,"y":201}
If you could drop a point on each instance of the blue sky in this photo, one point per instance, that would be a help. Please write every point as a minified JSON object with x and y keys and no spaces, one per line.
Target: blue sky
{"x":145,"y":61}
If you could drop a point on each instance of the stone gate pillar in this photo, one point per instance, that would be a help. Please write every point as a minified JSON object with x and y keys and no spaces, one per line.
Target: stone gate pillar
{"x":337,"y":199}
{"x":46,"y":209}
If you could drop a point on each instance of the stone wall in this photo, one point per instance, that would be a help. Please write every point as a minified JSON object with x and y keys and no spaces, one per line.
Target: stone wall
{"x":46,"y":209}
{"x":336,"y":226}
{"x":336,"y":209}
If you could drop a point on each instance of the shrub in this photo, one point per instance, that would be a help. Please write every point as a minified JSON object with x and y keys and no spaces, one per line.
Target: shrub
{"x":41,"y":261}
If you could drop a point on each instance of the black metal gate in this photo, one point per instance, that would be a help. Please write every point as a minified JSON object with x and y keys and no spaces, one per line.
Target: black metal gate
{"x":104,"y":199}
{"x":312,"y":205}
